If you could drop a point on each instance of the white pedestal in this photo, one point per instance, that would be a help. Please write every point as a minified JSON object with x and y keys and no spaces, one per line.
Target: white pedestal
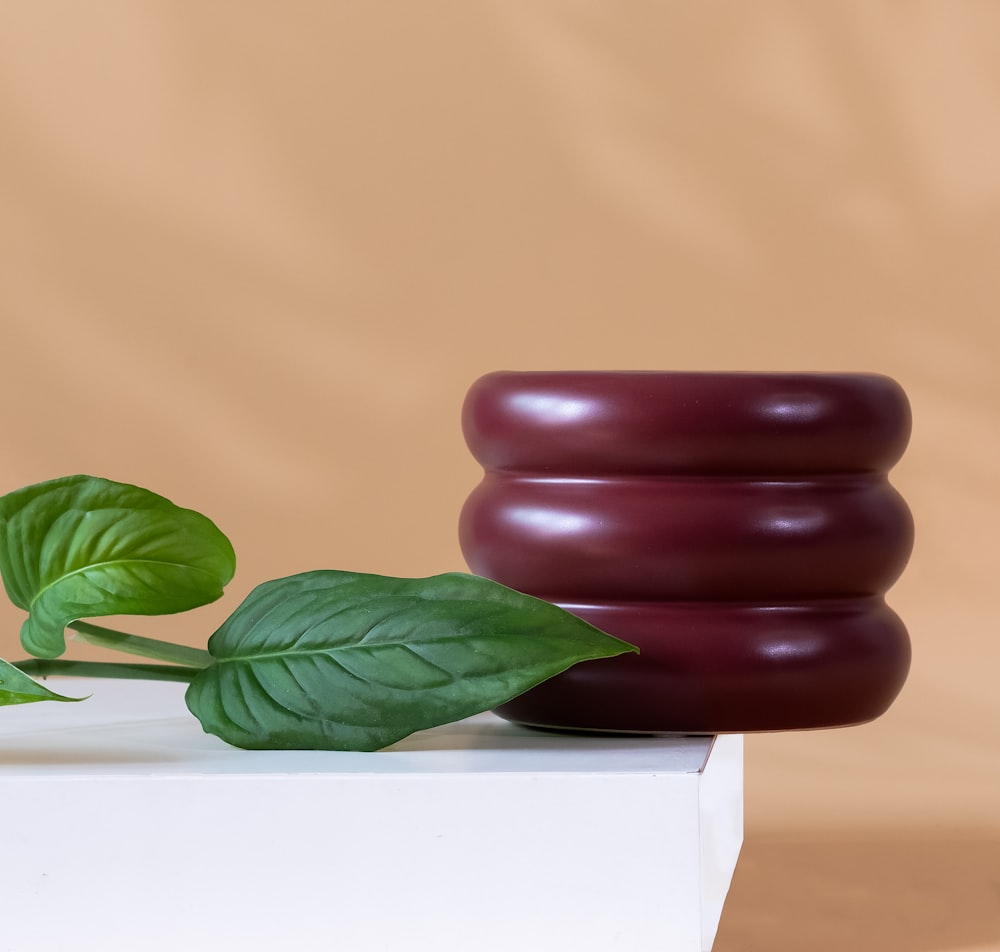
{"x":127,"y":828}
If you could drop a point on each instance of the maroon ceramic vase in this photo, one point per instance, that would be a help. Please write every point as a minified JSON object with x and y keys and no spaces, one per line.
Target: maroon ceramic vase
{"x":738,"y":528}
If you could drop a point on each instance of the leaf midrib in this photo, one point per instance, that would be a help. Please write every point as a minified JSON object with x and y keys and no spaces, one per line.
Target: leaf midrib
{"x":110,"y":562}
{"x":307,"y":652}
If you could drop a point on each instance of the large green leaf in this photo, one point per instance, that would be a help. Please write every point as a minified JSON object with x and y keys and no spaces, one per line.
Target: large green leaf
{"x":17,"y":688}
{"x":343,"y":661}
{"x":82,"y":547}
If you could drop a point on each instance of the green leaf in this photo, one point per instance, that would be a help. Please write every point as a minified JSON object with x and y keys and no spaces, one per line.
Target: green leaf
{"x":82,"y":547}
{"x":17,"y":688}
{"x":343,"y":661}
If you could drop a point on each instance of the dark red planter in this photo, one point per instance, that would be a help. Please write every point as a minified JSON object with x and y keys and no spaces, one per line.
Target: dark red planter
{"x":738,"y":528}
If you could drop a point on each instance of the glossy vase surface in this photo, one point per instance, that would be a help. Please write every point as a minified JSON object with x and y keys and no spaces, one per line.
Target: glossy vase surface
{"x":739,"y":528}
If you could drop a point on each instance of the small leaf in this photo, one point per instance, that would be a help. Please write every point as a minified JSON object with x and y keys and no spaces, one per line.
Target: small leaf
{"x":17,"y":688}
{"x":82,"y":547}
{"x":343,"y":661}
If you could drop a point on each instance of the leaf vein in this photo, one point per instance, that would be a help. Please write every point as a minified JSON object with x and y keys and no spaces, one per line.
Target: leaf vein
{"x":117,"y":562}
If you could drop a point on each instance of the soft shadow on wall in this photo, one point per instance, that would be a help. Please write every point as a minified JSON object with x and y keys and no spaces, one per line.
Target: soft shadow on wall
{"x":865,"y":891}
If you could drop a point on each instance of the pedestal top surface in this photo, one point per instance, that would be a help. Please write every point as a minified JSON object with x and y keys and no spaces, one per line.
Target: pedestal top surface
{"x":143,"y":729}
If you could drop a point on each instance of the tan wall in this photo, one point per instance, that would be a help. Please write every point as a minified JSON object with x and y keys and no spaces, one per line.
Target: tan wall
{"x":253,"y":254}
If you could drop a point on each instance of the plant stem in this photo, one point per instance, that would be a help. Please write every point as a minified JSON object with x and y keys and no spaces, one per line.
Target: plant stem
{"x":43,"y":668}
{"x":144,"y":647}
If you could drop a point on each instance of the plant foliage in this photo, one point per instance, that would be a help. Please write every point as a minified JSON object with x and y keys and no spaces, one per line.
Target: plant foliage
{"x":84,"y":547}
{"x":326,"y":659}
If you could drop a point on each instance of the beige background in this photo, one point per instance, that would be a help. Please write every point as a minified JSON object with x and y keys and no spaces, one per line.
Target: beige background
{"x":254,"y":253}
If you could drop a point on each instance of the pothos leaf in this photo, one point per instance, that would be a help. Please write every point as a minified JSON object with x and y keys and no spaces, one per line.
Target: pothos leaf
{"x":346,"y":661}
{"x":17,"y":688}
{"x":82,"y":547}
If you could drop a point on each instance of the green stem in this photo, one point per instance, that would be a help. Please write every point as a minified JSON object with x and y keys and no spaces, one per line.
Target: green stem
{"x":144,"y":647}
{"x":43,"y":668}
